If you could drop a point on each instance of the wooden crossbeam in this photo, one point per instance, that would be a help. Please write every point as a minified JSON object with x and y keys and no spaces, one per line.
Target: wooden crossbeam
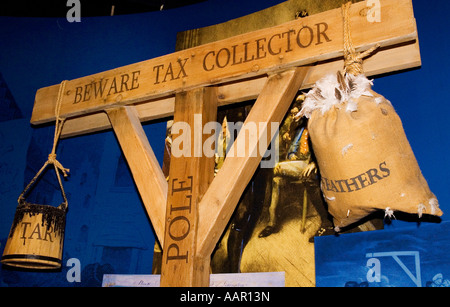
{"x":300,"y":42}
{"x":385,"y":60}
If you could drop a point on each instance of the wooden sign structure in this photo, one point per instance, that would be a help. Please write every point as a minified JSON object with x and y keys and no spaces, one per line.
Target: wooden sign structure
{"x":190,"y":211}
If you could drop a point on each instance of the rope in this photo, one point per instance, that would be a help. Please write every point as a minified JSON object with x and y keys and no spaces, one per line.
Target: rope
{"x":352,"y":60}
{"x":52,"y":156}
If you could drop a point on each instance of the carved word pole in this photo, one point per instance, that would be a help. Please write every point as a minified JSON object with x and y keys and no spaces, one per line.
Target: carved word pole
{"x":189,"y":178}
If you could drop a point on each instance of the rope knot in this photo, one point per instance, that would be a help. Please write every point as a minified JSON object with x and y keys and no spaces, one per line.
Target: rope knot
{"x":353,"y":64}
{"x":52,"y":158}
{"x":57,"y":164}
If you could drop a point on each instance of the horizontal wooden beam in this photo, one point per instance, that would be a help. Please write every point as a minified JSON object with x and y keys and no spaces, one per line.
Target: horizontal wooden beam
{"x":385,"y":60}
{"x":300,"y":42}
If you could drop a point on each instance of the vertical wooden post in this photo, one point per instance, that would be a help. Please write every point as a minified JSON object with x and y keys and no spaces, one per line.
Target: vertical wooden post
{"x":189,"y":177}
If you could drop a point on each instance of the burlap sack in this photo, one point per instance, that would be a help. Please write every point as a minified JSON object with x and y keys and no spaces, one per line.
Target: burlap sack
{"x":364,"y":158}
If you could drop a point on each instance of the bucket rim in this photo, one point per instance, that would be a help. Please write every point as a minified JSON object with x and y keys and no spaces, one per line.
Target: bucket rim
{"x":23,"y":203}
{"x":29,"y":261}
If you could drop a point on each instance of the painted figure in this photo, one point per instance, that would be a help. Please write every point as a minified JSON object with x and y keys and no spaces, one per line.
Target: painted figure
{"x":297,"y":167}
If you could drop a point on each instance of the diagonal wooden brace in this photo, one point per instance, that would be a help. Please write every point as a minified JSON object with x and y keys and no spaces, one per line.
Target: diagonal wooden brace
{"x":219,"y":202}
{"x":147,"y":173}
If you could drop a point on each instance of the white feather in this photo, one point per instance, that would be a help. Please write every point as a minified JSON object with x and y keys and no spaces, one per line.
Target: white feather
{"x":434,"y":205}
{"x":378,"y":100}
{"x":346,"y":148}
{"x":328,"y":92}
{"x":352,"y":105}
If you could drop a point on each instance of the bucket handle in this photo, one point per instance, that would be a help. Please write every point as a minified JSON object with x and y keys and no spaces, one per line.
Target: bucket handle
{"x":52,"y":156}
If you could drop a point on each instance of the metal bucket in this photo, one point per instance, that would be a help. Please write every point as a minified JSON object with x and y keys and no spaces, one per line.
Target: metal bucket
{"x":36,"y":237}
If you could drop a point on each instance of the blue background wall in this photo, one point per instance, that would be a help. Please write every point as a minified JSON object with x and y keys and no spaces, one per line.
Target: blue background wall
{"x":107,"y":227}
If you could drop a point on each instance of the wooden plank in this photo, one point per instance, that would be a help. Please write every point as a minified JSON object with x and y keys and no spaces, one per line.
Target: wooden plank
{"x":385,"y":60}
{"x":190,"y":174}
{"x":219,"y":202}
{"x":307,"y":40}
{"x":144,"y":166}
{"x":269,"y":17}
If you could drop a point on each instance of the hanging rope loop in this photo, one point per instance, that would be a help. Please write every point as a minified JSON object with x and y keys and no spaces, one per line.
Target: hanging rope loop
{"x":52,"y":156}
{"x":353,"y":61}
{"x":58,"y":129}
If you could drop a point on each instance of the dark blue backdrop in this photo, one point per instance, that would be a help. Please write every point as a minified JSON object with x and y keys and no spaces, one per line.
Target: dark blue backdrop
{"x":107,"y":227}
